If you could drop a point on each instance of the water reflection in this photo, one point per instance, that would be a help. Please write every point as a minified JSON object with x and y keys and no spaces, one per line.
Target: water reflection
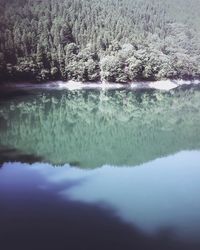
{"x":89,"y":129}
{"x":158,"y":198}
{"x":152,"y":206}
{"x":12,"y":154}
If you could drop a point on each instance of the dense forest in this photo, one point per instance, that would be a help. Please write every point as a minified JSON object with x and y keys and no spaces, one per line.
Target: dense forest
{"x":93,"y":40}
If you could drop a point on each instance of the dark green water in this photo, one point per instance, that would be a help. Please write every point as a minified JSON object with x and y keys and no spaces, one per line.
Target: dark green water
{"x":90,"y":169}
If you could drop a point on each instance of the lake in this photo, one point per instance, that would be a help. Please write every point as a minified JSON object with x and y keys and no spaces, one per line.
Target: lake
{"x":99,"y":169}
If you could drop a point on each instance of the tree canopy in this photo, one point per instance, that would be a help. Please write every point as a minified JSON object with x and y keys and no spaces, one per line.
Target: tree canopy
{"x":112,"y":40}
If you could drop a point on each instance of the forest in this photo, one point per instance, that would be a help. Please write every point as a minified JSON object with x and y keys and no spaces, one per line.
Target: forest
{"x":99,"y":40}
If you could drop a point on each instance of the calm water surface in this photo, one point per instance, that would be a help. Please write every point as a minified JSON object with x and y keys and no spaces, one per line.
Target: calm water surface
{"x":94,"y":169}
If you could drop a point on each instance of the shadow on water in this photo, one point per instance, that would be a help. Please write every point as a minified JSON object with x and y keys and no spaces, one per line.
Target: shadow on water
{"x":185,"y":87}
{"x":3,"y":124}
{"x":38,"y":219}
{"x":13,"y":155}
{"x":8,"y":93}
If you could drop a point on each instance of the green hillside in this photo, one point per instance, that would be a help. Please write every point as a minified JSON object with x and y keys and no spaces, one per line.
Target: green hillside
{"x":91,"y":40}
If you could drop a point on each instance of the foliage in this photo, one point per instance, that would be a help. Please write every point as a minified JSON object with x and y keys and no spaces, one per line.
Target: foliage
{"x":115,"y":40}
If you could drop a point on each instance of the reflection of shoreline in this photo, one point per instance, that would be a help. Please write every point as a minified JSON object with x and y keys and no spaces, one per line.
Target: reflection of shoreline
{"x":89,"y":129}
{"x":73,"y":85}
{"x":8,"y":154}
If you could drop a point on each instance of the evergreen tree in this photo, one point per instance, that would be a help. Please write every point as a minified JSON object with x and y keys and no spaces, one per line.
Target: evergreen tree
{"x":126,"y":40}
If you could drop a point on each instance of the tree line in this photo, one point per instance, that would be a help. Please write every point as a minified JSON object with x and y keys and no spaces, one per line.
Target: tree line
{"x":93,"y":40}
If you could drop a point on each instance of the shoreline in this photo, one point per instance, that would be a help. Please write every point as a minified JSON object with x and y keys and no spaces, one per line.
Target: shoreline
{"x":163,"y":85}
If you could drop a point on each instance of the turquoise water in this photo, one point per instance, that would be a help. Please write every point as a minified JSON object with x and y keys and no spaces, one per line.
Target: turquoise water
{"x":100,"y":169}
{"x":90,"y":128}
